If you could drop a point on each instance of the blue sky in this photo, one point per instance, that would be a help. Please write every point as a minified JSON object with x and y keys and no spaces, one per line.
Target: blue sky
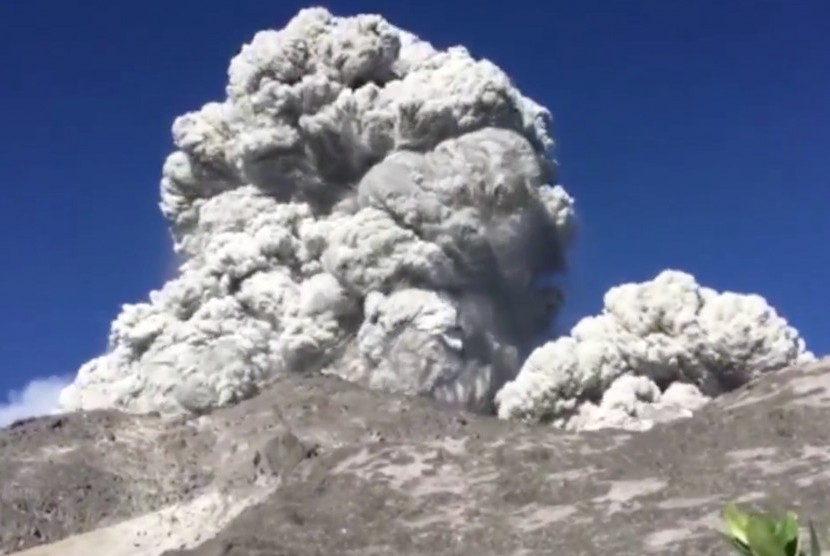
{"x":694,"y":135}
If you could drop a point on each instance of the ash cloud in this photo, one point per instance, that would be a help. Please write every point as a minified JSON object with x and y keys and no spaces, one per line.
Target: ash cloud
{"x":365,"y":205}
{"x":659,"y":350}
{"x":360,"y":204}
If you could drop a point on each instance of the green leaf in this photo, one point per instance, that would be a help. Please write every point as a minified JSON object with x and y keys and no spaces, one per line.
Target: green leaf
{"x":736,"y":523}
{"x":762,"y":538}
{"x":737,"y":545}
{"x":787,"y":532}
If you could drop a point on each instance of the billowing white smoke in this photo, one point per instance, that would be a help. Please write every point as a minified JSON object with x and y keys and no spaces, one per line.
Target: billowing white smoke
{"x":360,"y":204}
{"x":365,"y":205}
{"x":657,"y":351}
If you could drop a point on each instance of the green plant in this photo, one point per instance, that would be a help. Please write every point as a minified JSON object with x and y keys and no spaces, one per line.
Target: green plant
{"x":762,"y":535}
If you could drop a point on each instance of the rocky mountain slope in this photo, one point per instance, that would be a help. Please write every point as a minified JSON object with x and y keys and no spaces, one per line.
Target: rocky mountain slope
{"x":318,"y":466}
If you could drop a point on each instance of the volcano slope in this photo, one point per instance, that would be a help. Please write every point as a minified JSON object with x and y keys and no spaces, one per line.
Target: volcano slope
{"x":318,"y":466}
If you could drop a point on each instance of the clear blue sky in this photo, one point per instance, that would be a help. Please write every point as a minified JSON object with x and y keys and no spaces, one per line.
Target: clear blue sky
{"x":694,"y":135}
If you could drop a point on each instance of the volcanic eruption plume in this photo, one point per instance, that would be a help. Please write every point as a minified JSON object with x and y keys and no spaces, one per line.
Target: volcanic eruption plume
{"x":659,"y":350}
{"x":365,"y":205}
{"x":360,"y":204}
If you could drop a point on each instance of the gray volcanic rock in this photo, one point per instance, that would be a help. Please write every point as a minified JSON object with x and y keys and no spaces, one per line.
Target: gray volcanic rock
{"x":318,"y":466}
{"x":76,"y":472}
